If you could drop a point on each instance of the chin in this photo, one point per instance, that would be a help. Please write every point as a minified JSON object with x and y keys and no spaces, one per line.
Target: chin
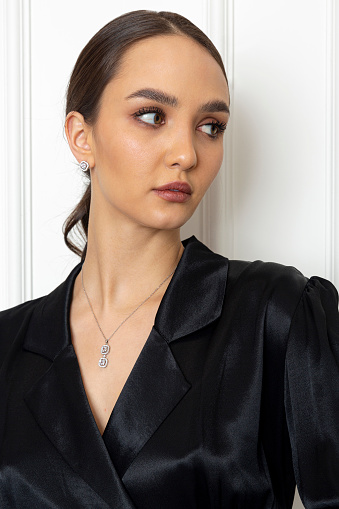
{"x":171,"y":223}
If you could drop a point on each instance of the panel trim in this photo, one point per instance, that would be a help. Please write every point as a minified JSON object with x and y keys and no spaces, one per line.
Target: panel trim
{"x":330,"y":143}
{"x":4,"y":280}
{"x":335,"y":27}
{"x":229,"y":144}
{"x":205,"y":227}
{"x":15,"y":272}
{"x":26,"y":168}
{"x":217,"y":206}
{"x":11,"y":213}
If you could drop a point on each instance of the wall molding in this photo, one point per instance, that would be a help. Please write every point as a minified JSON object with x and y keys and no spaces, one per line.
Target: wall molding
{"x":217,"y":229}
{"x":3,"y":187}
{"x":3,"y":172}
{"x":26,"y":137}
{"x":331,"y":145}
{"x":16,"y":225}
{"x":335,"y":27}
{"x":329,"y":142}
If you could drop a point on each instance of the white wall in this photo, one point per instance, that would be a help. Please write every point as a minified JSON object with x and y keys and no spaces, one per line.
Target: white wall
{"x":285,"y":169}
{"x":276,"y":195}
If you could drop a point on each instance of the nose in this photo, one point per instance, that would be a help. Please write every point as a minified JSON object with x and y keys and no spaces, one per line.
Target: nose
{"x":181,"y":152}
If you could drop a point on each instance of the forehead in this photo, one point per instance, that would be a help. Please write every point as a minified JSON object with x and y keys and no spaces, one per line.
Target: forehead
{"x":174,"y":63}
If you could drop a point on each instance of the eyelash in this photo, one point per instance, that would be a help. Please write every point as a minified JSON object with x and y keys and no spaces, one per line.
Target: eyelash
{"x":144,"y":111}
{"x":153,"y":109}
{"x":221,"y":128}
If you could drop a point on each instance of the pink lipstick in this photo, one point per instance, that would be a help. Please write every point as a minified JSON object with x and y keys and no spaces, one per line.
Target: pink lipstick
{"x":174,"y":191}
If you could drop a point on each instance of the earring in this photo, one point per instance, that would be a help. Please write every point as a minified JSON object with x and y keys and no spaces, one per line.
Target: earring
{"x":84,"y":165}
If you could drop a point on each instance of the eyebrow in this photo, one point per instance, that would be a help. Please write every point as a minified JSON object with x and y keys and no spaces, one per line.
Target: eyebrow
{"x":155,"y":95}
{"x":171,"y":100}
{"x":213,"y":106}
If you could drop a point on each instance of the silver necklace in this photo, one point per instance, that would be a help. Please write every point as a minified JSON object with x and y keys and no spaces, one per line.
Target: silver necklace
{"x":106,"y":348}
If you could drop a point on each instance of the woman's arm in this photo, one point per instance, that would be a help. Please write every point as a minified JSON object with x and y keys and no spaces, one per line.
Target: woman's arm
{"x":312,"y":394}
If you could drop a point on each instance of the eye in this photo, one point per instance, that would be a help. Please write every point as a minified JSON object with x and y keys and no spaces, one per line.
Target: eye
{"x":153,"y":116}
{"x":213,"y":129}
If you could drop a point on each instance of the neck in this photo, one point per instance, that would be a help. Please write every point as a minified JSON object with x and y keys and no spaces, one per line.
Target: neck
{"x":123,"y":266}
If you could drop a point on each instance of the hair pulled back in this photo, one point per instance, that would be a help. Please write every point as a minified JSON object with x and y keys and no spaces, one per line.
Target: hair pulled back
{"x":98,"y":63}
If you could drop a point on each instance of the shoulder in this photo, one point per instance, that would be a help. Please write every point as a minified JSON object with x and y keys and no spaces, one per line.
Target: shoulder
{"x":12,"y":321}
{"x":266,"y":281}
{"x":34,"y":315}
{"x":274,"y":279}
{"x":276,"y":293}
{"x":265,"y":273}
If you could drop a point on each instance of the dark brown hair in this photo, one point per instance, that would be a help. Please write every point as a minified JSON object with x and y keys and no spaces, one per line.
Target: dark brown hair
{"x":98,"y":63}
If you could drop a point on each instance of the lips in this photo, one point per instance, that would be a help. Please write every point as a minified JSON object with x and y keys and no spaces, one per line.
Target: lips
{"x":177,"y":186}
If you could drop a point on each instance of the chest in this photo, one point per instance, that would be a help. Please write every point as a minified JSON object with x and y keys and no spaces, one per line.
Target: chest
{"x":103,"y":385}
{"x":184,"y":431}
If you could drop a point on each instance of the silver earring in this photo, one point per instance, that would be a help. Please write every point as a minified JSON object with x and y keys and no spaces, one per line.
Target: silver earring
{"x":84,"y":165}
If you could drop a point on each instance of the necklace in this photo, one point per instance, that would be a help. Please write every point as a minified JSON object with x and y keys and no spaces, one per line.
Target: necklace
{"x":103,"y":361}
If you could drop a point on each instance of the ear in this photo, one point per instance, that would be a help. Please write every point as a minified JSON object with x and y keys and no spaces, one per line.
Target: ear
{"x":79,"y":136}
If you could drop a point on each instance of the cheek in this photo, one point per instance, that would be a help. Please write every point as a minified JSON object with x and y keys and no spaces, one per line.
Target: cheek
{"x":218,"y":162}
{"x":211,"y":166}
{"x":132,"y":153}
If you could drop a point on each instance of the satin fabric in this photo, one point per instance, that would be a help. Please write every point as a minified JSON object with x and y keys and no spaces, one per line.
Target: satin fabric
{"x":233,"y":399}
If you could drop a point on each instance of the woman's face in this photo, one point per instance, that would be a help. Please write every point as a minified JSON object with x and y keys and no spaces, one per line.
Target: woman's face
{"x":160,"y":121}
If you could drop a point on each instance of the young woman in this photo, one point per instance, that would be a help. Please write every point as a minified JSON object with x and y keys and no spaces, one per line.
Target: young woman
{"x":160,"y":374}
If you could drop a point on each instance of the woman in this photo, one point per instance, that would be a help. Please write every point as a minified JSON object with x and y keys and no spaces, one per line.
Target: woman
{"x":160,"y":374}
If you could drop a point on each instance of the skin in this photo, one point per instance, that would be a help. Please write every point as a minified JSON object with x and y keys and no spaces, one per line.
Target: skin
{"x":134,"y":235}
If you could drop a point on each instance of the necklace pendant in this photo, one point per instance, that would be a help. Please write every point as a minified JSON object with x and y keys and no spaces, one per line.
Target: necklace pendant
{"x":104,"y":361}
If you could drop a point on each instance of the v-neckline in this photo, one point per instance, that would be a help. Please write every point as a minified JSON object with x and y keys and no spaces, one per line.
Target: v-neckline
{"x":155,"y":385}
{"x":121,"y":395}
{"x":135,"y":365}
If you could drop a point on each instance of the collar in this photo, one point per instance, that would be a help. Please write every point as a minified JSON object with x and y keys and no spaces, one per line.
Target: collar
{"x":198,"y":283}
{"x":155,"y":386}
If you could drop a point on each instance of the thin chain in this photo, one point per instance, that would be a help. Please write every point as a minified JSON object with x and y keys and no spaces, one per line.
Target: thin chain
{"x":129,"y":316}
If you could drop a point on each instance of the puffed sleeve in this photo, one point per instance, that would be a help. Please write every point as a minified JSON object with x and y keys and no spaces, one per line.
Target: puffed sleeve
{"x":312,"y":394}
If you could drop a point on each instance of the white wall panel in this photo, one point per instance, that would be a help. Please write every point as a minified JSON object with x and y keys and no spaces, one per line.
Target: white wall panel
{"x":285,"y":114}
{"x":277,"y":198}
{"x":335,"y":137}
{"x":280,"y":132}
{"x":15,"y":259}
{"x":4,"y":282}
{"x":216,"y":211}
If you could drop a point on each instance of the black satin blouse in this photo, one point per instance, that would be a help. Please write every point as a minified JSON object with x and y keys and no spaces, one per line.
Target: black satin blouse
{"x":233,"y":399}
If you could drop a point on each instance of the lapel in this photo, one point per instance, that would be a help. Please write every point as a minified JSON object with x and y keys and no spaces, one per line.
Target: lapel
{"x":156,"y":384}
{"x":58,"y":400}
